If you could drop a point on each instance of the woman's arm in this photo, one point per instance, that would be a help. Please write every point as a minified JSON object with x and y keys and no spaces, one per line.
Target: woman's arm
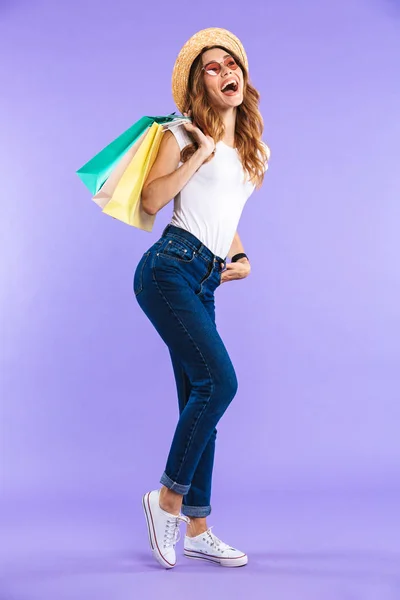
{"x":239,"y":269}
{"x":165,"y":181}
{"x":236,"y":248}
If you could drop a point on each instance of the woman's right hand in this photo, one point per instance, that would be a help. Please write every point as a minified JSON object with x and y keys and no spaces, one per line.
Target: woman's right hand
{"x":205,"y":142}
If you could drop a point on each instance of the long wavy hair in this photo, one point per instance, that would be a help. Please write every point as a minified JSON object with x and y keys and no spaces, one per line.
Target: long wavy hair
{"x":249,"y":122}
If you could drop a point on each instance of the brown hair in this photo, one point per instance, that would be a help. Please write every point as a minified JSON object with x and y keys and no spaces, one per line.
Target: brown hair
{"x":249,"y":122}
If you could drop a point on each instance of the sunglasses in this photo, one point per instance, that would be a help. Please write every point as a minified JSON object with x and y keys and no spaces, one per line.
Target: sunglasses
{"x":214,"y":68}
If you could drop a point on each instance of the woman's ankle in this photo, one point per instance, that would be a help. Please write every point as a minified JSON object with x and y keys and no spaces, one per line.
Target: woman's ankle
{"x":170,"y":501}
{"x":197,"y":526}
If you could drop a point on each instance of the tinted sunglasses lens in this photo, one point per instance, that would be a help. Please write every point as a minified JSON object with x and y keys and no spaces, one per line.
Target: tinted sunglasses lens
{"x":231,"y":63}
{"x":213,"y":68}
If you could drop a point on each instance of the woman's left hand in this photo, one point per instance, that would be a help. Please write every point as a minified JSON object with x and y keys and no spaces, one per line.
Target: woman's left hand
{"x":236,"y":270}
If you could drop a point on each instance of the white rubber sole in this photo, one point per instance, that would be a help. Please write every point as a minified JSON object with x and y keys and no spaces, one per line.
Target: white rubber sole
{"x":241,"y":561}
{"x":152,"y":536}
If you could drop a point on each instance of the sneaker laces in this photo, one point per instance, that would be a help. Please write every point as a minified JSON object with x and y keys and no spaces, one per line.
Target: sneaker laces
{"x":215,"y":541}
{"x":172,"y":532}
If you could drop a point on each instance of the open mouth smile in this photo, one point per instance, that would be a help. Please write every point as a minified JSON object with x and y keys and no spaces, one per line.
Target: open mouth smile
{"x":230,"y":87}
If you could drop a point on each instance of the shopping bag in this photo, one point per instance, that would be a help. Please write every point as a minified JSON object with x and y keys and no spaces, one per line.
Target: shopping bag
{"x":97,"y":170}
{"x":125,"y":202}
{"x":106,"y":192}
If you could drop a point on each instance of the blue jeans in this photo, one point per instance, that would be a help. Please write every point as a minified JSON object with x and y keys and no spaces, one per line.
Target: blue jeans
{"x":174,"y":284}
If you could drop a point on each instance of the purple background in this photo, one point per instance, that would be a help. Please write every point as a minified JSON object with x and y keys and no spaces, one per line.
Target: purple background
{"x":308,"y":457}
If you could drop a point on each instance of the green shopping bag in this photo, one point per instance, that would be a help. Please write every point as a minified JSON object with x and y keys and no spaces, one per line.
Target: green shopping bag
{"x":97,"y":170}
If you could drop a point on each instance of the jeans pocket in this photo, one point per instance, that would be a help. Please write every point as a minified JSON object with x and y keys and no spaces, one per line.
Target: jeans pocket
{"x":138,"y":278}
{"x":178,"y":249}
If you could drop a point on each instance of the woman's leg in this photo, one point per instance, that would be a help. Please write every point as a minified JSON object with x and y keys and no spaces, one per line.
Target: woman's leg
{"x":196,"y":502}
{"x":183,"y":322}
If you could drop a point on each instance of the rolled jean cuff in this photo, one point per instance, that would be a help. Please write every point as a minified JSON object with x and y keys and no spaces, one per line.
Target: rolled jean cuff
{"x":196,"y":511}
{"x":172,"y":485}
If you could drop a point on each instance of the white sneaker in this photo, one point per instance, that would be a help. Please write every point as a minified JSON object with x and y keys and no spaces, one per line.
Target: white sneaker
{"x":207,"y":546}
{"x":163,"y":529}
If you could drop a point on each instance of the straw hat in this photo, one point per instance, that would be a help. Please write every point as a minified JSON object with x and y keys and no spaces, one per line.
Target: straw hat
{"x":214,"y":36}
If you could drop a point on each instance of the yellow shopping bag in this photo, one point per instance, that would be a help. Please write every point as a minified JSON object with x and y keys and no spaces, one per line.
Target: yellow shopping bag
{"x":107,"y":190}
{"x":125,"y":202}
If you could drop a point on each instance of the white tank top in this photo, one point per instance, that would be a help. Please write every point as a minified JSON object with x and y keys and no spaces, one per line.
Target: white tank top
{"x":211,"y":203}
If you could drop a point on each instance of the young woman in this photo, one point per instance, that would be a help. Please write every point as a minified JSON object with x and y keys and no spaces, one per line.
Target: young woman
{"x":210,"y":167}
